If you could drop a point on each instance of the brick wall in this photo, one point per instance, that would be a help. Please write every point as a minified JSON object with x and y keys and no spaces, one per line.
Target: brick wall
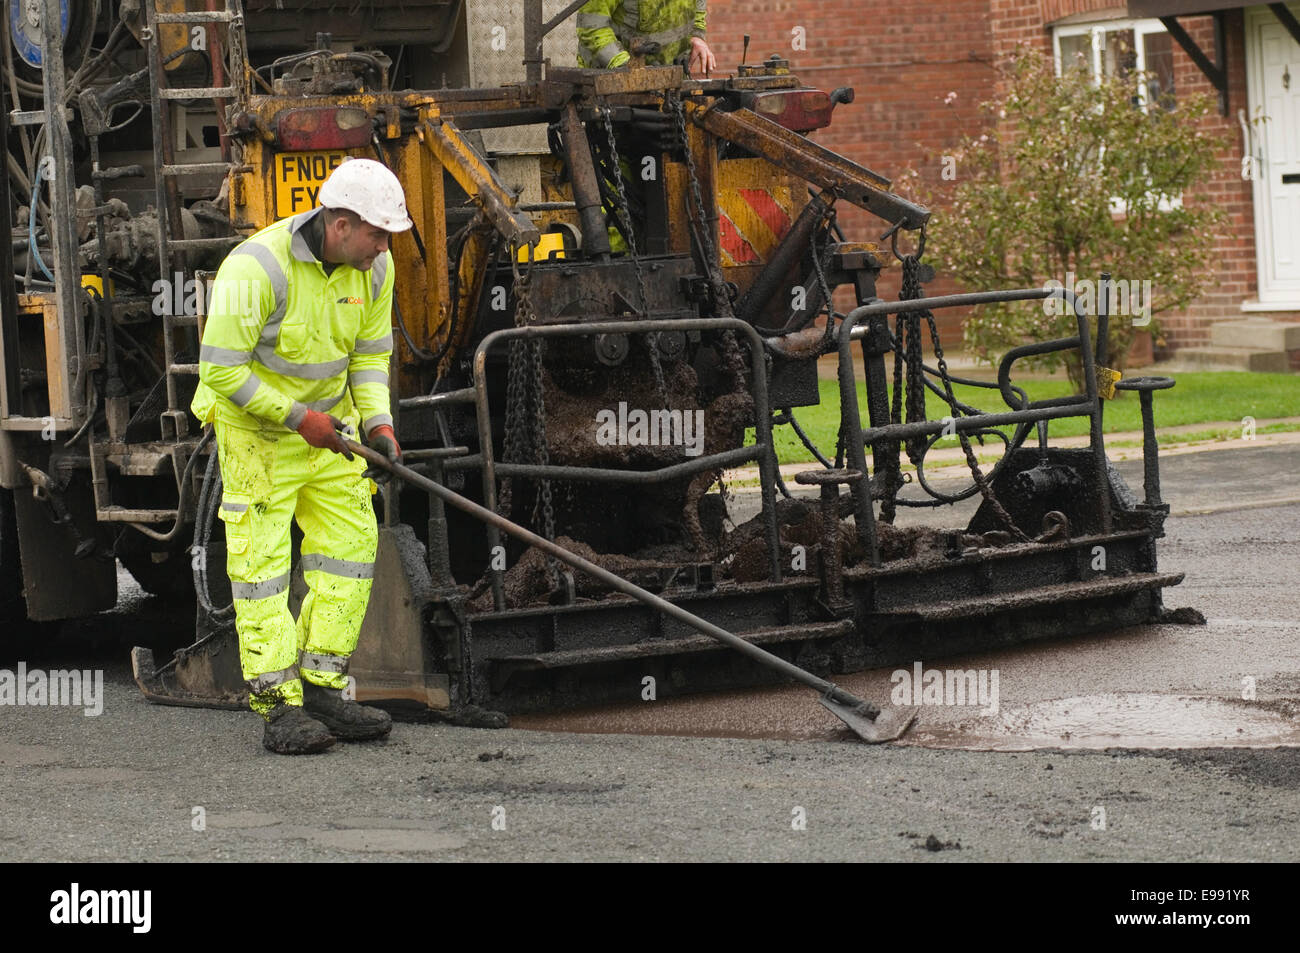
{"x":905,"y":67}
{"x":1234,"y":276}
{"x":1052,"y":10}
{"x":903,"y":62}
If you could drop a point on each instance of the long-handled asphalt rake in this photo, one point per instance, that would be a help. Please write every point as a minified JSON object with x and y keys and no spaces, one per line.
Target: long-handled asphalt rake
{"x":869,"y":722}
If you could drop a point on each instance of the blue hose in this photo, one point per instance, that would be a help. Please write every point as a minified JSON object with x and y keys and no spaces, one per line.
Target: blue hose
{"x":31,"y":221}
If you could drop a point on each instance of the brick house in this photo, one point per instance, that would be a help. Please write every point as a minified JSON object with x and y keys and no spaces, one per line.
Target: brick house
{"x":920,"y":72}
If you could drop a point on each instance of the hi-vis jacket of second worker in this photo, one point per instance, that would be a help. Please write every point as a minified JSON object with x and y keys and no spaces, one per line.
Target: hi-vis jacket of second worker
{"x":283,"y":337}
{"x":606,"y":29}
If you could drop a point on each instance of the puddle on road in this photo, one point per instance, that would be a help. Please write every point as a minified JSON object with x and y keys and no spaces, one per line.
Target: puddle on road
{"x":1093,"y":722}
{"x":1090,"y":722}
{"x":387,"y":835}
{"x":395,"y":841}
{"x":92,"y":775}
{"x":786,"y":713}
{"x":22,"y":756}
{"x":242,"y":820}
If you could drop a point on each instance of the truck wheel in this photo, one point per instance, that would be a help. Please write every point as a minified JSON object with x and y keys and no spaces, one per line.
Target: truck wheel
{"x":12,"y":606}
{"x":171,"y":579}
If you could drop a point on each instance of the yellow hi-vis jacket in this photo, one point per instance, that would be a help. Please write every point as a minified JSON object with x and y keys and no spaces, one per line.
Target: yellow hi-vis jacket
{"x":606,"y":29}
{"x":283,"y":337}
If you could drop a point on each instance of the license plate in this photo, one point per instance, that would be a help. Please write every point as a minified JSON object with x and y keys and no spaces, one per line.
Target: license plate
{"x":298,"y":178}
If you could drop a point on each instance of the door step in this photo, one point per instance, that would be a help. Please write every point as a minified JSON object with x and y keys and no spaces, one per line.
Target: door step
{"x":1243,"y":358}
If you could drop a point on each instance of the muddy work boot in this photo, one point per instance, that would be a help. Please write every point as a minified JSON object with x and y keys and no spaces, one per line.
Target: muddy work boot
{"x":290,"y":730}
{"x":348,"y":720}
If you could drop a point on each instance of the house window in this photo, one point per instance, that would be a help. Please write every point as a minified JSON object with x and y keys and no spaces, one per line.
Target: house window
{"x":1117,"y":48}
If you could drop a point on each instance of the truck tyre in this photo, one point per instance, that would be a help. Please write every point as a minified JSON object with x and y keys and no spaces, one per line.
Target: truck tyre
{"x":172,"y":579}
{"x":12,"y":606}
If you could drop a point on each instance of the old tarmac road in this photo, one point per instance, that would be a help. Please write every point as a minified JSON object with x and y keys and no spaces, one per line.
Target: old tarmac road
{"x":141,"y":782}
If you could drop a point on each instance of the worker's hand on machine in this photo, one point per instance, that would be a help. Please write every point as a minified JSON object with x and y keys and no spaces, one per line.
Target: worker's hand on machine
{"x":322,"y":430}
{"x":702,"y":59}
{"x":384,"y":440}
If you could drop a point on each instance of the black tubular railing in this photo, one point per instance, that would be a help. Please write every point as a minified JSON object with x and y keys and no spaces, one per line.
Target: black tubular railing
{"x":857,"y":438}
{"x":761,"y":450}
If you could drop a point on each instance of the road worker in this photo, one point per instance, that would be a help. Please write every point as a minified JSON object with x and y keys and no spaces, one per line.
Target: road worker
{"x":296,"y":348}
{"x":606,"y":29}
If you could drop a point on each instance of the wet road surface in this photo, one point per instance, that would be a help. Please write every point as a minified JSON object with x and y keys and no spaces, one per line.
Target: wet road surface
{"x":1159,"y":686}
{"x":1152,"y":719}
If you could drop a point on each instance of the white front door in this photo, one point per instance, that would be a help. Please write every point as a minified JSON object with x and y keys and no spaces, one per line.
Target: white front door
{"x":1273,"y":85}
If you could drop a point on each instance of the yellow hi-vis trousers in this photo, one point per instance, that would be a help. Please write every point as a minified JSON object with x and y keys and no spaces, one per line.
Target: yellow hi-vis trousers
{"x":269,"y":480}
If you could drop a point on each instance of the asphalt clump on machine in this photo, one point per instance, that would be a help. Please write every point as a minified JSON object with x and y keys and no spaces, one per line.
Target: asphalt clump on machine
{"x":741,"y":557}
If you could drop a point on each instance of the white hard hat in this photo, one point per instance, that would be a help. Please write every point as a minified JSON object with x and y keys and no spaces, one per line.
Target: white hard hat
{"x":370,"y":189}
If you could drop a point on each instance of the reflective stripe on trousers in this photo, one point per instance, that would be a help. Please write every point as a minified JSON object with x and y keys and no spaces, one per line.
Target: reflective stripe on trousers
{"x":333,"y":664}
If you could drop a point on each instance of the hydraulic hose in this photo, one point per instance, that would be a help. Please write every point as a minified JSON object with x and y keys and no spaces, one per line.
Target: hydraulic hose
{"x":31,"y":222}
{"x":209,"y":500}
{"x":181,"y":496}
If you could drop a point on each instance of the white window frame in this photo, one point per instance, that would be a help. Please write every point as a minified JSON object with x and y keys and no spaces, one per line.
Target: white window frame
{"x":1096,"y":30}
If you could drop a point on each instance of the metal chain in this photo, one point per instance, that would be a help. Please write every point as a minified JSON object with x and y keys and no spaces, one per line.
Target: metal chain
{"x":625,"y":216}
{"x":515,"y":439}
{"x":732,"y":358}
{"x":516,"y":412}
{"x":915,"y":400}
{"x":911,"y":290}
{"x":904,"y":335}
{"x":723,"y":299}
{"x":526,"y":408}
{"x":819,"y":265}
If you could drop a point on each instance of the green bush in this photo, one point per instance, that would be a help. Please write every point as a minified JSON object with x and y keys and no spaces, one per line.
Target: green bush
{"x":1076,"y":177}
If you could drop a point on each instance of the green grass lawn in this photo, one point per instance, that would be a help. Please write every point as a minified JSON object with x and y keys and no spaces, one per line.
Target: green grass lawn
{"x":1199,"y":397}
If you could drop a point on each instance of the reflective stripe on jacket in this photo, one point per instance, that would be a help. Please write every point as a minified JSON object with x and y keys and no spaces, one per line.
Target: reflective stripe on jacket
{"x":282,"y":337}
{"x":606,"y":28}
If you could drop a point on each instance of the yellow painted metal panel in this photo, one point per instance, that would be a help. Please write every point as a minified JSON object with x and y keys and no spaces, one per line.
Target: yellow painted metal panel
{"x":298,"y":176}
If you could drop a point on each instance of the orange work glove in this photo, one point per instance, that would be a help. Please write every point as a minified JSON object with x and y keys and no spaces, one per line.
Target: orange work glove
{"x":322,"y":430}
{"x":384,"y":440}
